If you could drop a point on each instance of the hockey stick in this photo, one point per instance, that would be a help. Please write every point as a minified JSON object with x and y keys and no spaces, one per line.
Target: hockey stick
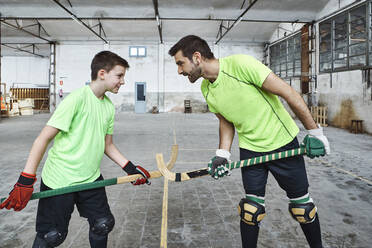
{"x":103,"y":183}
{"x":184,"y":176}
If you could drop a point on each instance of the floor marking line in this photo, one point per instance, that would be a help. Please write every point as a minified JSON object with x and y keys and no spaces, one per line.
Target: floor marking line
{"x":348,"y":172}
{"x":164,"y":220}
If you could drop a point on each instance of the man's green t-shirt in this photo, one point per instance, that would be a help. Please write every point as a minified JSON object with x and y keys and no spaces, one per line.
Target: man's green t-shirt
{"x":261,"y":121}
{"x":83,"y":121}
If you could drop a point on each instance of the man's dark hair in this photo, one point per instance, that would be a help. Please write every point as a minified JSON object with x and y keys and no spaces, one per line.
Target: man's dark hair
{"x":190,"y":44}
{"x":106,"y":60}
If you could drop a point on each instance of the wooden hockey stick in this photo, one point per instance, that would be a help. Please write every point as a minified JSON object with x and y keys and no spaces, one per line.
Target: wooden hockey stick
{"x":184,"y":176}
{"x":103,"y":183}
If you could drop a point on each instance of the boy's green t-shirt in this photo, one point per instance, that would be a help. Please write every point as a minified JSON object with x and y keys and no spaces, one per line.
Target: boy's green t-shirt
{"x":83,"y":121}
{"x":261,"y":121}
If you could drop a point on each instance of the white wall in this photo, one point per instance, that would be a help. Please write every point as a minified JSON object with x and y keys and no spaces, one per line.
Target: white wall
{"x":165,"y":88}
{"x":24,"y":71}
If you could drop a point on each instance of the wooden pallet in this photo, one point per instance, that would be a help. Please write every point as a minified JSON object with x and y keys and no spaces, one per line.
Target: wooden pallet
{"x":319,"y":115}
{"x":40,"y":96}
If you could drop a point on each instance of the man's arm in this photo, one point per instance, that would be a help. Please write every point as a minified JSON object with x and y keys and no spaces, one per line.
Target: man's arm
{"x":226,"y":131}
{"x":216,"y":166}
{"x":277,"y":86}
{"x":39,"y":147}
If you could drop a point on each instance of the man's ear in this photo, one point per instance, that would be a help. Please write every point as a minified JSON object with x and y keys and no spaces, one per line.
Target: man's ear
{"x":196,"y":58}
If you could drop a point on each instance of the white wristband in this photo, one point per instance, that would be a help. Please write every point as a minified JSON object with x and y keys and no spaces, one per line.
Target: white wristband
{"x":223,"y":153}
{"x":316,"y":132}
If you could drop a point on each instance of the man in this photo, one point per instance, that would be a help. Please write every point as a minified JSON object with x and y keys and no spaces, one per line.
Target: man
{"x":243,"y":93}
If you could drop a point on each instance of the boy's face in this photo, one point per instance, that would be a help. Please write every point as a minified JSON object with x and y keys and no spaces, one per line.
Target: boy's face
{"x":187,"y":67}
{"x":114,"y":78}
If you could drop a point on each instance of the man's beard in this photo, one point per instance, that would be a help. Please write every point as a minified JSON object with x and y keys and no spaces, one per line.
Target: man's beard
{"x":195,"y":74}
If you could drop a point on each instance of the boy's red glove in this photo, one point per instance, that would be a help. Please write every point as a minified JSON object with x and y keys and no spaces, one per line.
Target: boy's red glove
{"x":131,"y":169}
{"x":21,"y":193}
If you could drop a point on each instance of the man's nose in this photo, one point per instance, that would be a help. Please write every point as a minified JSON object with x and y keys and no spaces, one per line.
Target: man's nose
{"x":180,"y":70}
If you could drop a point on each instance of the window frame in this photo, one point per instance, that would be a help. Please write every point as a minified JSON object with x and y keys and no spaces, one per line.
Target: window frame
{"x":348,"y":46}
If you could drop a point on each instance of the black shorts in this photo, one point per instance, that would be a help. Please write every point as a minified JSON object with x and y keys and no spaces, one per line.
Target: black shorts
{"x":55,"y":212}
{"x":290,"y":173}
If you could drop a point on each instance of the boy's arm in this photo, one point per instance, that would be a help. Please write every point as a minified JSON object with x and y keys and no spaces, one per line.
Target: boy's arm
{"x":22,"y":190}
{"x":115,"y":155}
{"x":277,"y":86}
{"x":38,"y":148}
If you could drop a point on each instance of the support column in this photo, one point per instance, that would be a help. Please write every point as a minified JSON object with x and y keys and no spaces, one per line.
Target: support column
{"x":52,"y":77}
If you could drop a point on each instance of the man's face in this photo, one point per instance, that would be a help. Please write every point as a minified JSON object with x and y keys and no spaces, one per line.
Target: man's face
{"x":187,"y":67}
{"x":114,"y":79}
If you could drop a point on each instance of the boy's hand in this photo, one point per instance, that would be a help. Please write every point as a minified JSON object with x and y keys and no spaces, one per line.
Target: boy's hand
{"x":21,"y":193}
{"x":132,"y":169}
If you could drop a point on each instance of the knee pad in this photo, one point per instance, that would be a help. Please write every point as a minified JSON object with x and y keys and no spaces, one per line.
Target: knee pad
{"x":102,"y":226}
{"x":251,"y":212}
{"x":303,"y":212}
{"x":51,"y":239}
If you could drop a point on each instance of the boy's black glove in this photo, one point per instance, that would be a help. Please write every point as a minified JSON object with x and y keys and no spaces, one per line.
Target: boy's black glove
{"x":132,"y":169}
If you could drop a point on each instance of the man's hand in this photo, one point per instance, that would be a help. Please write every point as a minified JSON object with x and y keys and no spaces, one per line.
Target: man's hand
{"x":318,"y":133}
{"x":21,"y":193}
{"x":216,"y":166}
{"x":132,"y":169}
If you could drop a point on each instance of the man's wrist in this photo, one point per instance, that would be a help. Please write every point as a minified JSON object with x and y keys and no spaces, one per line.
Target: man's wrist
{"x":316,"y":132}
{"x":223,"y":153}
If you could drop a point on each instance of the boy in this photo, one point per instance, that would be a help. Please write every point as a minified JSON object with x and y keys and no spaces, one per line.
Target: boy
{"x":82,"y":129}
{"x":243,"y":93}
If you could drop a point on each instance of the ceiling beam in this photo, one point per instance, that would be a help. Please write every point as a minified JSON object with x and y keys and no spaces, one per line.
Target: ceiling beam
{"x":75,"y":18}
{"x":24,"y":30}
{"x":22,"y":50}
{"x":158,"y":20}
{"x":236,"y":22}
{"x":154,"y":19}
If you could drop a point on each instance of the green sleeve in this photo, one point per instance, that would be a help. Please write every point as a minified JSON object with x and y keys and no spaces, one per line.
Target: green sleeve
{"x":63,"y":115}
{"x":252,"y":70}
{"x":110,"y":129}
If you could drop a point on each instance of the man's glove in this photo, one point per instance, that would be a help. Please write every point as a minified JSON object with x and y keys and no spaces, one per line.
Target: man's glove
{"x":216,"y":166}
{"x":318,"y":133}
{"x":131,"y":169}
{"x":21,"y":193}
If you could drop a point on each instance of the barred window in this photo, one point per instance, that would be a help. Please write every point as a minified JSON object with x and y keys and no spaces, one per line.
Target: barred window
{"x":285,"y":57}
{"x":343,"y":40}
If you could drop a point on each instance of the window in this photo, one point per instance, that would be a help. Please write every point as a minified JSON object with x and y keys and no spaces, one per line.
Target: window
{"x":325,"y":55}
{"x":285,"y":57}
{"x":137,"y":51}
{"x":343,"y":40}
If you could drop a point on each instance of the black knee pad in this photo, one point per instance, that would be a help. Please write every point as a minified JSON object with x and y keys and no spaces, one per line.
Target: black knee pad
{"x":40,"y":243}
{"x":51,"y":239}
{"x":251,"y":212}
{"x":303,"y":212}
{"x":102,"y":226}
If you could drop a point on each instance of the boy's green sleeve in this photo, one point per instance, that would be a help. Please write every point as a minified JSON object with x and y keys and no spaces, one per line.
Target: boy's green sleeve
{"x":110,"y":128}
{"x":63,"y":115}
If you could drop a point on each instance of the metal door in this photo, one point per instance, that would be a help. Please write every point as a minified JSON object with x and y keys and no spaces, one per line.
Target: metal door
{"x":140,"y":97}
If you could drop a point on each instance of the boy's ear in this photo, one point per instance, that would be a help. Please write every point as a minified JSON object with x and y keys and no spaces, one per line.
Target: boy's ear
{"x":101,"y":74}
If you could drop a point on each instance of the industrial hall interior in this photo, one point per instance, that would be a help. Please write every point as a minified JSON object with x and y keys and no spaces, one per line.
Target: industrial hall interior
{"x":185,"y":123}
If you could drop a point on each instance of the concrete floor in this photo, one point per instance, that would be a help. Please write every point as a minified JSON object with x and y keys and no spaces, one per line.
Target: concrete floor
{"x":201,"y":212}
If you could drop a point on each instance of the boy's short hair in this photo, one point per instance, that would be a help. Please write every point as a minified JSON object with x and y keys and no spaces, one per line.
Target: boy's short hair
{"x":190,"y":44}
{"x":106,"y":60}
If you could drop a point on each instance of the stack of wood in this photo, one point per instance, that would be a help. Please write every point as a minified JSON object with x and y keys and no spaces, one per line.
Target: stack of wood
{"x":26,"y":106}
